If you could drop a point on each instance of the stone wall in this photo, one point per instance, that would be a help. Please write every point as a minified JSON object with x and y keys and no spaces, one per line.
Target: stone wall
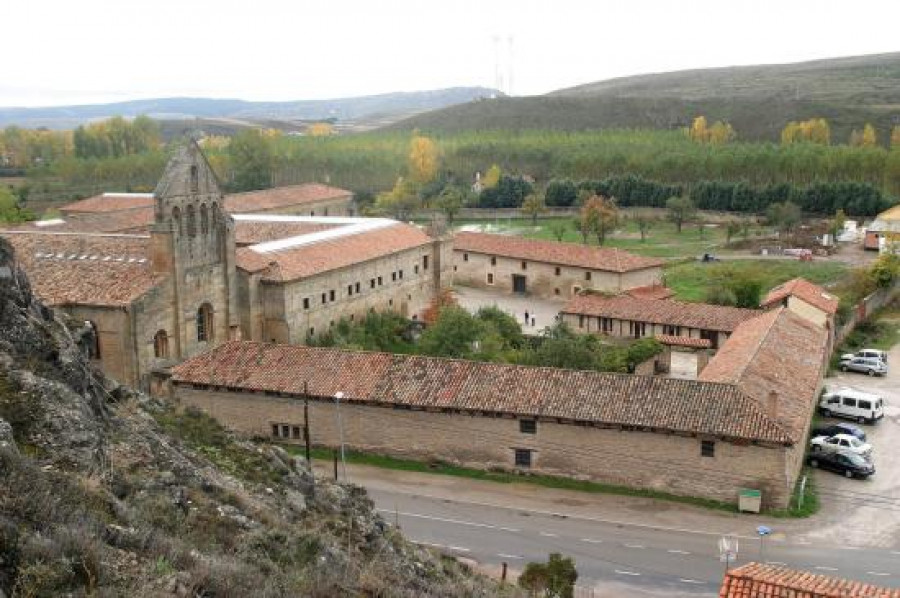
{"x":544,"y":279}
{"x":664,"y":462}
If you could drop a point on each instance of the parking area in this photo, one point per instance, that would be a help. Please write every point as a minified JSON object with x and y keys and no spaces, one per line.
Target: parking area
{"x":866,"y":512}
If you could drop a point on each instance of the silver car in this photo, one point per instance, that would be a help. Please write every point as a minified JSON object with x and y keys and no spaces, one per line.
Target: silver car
{"x":866,"y":365}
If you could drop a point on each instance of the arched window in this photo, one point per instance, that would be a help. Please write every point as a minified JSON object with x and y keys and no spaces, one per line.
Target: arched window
{"x":191,"y":221}
{"x":93,"y":341}
{"x":204,"y":220}
{"x":161,"y":344}
{"x":176,"y":218}
{"x":205,"y":323}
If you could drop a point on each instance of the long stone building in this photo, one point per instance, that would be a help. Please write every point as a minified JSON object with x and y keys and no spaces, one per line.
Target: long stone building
{"x":547,"y":268}
{"x":743,"y":425}
{"x":162,"y":277}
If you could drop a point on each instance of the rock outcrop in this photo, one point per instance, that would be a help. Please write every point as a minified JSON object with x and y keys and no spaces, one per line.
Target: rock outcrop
{"x":105,"y":491}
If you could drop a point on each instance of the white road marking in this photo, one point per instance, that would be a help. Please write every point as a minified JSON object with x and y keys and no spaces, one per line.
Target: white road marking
{"x":689,"y":580}
{"x":509,"y":529}
{"x":877,"y":573}
{"x":826,"y":568}
{"x":626,"y":572}
{"x":849,"y":547}
{"x":592,"y":541}
{"x":549,"y":535}
{"x":444,"y":546}
{"x":633,"y":546}
{"x":675,"y":551}
{"x":442,"y":519}
{"x":895,"y":552}
{"x":509,"y":556}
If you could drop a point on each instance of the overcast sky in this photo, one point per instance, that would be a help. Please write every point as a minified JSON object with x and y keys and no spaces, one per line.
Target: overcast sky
{"x":84,"y":51}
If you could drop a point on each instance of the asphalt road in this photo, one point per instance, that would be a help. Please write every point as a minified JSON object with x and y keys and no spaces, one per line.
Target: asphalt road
{"x":649,"y":560}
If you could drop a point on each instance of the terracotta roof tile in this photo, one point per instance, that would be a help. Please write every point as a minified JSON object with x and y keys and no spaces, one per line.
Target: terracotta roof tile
{"x":777,"y":351}
{"x":249,"y":232}
{"x":805,"y":290}
{"x":566,"y":254}
{"x":110,"y":202}
{"x":755,"y":580}
{"x":76,"y":269}
{"x":653,"y":403}
{"x":656,"y":291}
{"x":311,"y":259}
{"x":659,"y":311}
{"x":683,"y":341}
{"x":282,"y":197}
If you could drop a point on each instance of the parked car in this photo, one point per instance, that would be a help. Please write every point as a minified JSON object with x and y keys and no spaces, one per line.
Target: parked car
{"x":841,"y":443}
{"x":708,"y":257}
{"x":867,"y":354}
{"x":839,"y":428}
{"x":848,"y":465}
{"x":866,"y":365}
{"x":852,"y":404}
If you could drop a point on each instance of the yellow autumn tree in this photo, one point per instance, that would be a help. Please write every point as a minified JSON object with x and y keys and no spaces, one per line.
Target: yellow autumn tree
{"x":423,"y":159}
{"x":320,"y":130}
{"x":869,"y":136}
{"x":721,"y":132}
{"x":699,"y":130}
{"x":491,"y":178}
{"x":814,"y":130}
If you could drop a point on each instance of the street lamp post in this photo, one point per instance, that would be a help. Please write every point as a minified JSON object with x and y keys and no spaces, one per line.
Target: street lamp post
{"x":337,"y":407}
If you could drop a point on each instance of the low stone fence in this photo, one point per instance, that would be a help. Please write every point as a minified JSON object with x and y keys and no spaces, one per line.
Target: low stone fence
{"x":866,"y":308}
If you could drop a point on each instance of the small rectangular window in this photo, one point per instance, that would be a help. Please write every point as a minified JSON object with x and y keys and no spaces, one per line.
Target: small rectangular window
{"x":393,"y":276}
{"x":275,"y":429}
{"x":849,"y":402}
{"x":372,"y":283}
{"x":558,"y":270}
{"x":490,"y":278}
{"x":865,"y":405}
{"x":587,"y":275}
{"x":401,"y":274}
{"x":324,"y":298}
{"x":416,"y":269}
{"x":295,"y":432}
{"x":356,"y":287}
{"x":528,"y":426}
{"x":285,"y":431}
{"x":493,"y":261}
{"x":707,"y":448}
{"x":523,"y":458}
{"x":312,"y":332}
{"x":349,"y":290}
{"x":581,"y":321}
{"x":465,"y":257}
{"x":424,"y":262}
{"x":380,"y":282}
{"x":331,"y":295}
{"x":306,"y":303}
{"x":524,"y":265}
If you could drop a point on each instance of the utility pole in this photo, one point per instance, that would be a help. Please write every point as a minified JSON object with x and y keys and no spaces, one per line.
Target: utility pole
{"x":306,"y":425}
{"x":337,"y":407}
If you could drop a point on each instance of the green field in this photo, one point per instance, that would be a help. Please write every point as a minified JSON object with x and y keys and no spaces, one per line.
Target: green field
{"x":662,"y":240}
{"x":690,"y":280}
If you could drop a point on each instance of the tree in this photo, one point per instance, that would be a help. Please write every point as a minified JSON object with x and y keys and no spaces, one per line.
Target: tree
{"x":534,"y":206}
{"x":554,"y":579}
{"x":699,"y":131}
{"x":721,"y":132}
{"x":837,"y":224}
{"x":732,"y":228}
{"x":784,"y":215}
{"x":869,"y":136}
{"x":9,"y":207}
{"x":423,"y":159}
{"x":747,"y":290}
{"x":454,"y":334}
{"x":558,"y":229}
{"x":815,"y":130}
{"x":561,"y":193}
{"x":251,"y":160}
{"x":886,"y":270}
{"x":491,"y":178}
{"x":507,"y":326}
{"x":599,"y":215}
{"x":510,"y":192}
{"x":718,"y":294}
{"x":320,"y":130}
{"x":644,"y":223}
{"x":450,"y":202}
{"x":680,"y":210}
{"x":401,"y":201}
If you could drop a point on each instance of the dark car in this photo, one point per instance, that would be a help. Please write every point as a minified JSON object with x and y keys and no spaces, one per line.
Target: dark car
{"x":847,"y":464}
{"x":840,"y":428}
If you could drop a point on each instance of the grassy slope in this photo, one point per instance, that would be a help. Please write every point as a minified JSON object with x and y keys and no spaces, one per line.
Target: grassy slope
{"x":757,"y":100}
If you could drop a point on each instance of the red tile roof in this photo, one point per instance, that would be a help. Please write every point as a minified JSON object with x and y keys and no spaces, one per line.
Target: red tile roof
{"x":656,"y":291}
{"x":755,"y":580}
{"x":74,"y":269}
{"x":777,"y":351}
{"x":110,"y":202}
{"x":249,"y":232}
{"x":683,"y":341}
{"x":314,"y":258}
{"x":659,"y":311}
{"x":282,"y":197}
{"x":645,"y":402}
{"x":566,"y":254}
{"x":805,"y":290}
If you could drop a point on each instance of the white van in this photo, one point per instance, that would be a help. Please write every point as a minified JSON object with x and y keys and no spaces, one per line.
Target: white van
{"x":852,"y":404}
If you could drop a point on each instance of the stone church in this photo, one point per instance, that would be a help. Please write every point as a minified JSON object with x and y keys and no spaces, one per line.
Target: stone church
{"x":196,"y":276}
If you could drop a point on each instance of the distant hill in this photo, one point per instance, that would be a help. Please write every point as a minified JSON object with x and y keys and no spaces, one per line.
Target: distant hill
{"x":377,"y":108}
{"x":757,"y":100}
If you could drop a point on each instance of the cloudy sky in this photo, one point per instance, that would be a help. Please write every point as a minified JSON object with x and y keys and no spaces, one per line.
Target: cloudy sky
{"x":83,"y":51}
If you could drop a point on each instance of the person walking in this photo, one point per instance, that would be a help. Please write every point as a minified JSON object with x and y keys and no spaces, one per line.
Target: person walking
{"x":526,"y":317}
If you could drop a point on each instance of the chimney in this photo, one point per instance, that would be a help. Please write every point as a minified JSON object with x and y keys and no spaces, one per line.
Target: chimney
{"x":772,"y":404}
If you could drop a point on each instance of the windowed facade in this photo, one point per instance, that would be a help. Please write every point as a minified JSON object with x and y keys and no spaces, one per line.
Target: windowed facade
{"x":523,"y":458}
{"x":161,"y":345}
{"x":637,"y":329}
{"x":287,"y":431}
{"x":606,"y":325}
{"x":306,"y":303}
{"x":205,"y":323}
{"x":707,"y":448}
{"x":490,"y":278}
{"x":528,"y":426}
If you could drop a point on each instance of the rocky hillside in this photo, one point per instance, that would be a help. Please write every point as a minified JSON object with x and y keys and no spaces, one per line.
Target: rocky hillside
{"x":107,"y":492}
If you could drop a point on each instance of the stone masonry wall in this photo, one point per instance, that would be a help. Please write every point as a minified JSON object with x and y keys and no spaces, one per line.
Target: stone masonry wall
{"x":664,"y":462}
